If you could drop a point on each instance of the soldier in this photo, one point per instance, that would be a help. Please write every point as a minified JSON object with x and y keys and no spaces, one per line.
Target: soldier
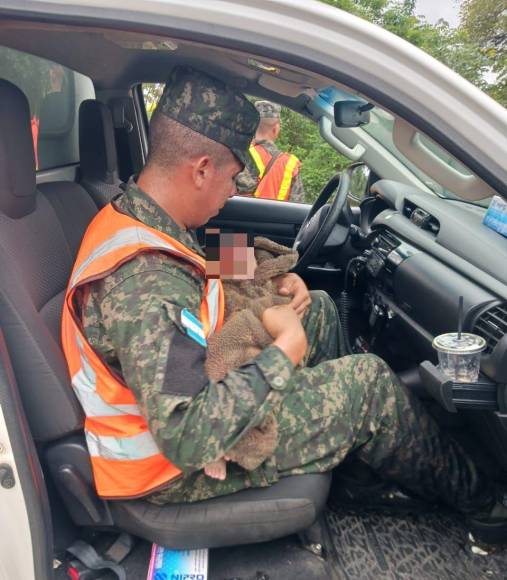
{"x":271,"y":174}
{"x":137,"y":313}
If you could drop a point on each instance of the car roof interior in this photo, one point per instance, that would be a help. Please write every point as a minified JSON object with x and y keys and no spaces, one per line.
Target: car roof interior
{"x":133,"y":57}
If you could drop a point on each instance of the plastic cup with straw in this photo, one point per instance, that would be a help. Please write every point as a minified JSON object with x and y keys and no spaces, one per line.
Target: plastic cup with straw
{"x":459,"y":353}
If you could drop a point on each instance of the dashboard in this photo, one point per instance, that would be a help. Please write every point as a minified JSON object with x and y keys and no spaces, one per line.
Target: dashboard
{"x":428,"y":251}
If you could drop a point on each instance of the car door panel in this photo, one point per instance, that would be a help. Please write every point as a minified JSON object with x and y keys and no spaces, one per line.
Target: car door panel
{"x":277,"y":220}
{"x":24,"y":509}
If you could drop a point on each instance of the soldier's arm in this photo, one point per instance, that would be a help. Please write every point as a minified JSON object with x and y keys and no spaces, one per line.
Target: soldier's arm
{"x":194,"y":420}
{"x":297,"y":192}
{"x":246,"y":183}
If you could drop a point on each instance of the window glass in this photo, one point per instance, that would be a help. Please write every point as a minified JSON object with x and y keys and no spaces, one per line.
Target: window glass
{"x":381,"y":127}
{"x":151,"y":94}
{"x":54,"y":94}
{"x":304,"y":164}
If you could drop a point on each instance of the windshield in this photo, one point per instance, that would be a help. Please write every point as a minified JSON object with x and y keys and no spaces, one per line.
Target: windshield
{"x":381,"y":128}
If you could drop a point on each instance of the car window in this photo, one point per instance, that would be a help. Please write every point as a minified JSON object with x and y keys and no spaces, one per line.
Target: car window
{"x":305,"y":160}
{"x":151,"y":95}
{"x":54,"y":94}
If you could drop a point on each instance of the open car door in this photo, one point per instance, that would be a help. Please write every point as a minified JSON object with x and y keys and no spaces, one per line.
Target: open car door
{"x":26,"y":541}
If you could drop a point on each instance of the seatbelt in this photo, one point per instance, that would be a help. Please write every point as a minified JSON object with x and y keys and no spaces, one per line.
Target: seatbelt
{"x":88,"y":556}
{"x":120,"y":548}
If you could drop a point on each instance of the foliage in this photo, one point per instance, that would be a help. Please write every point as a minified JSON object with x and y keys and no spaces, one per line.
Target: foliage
{"x":301,"y":136}
{"x":476,"y":47}
{"x":485,"y":23}
{"x":152,"y":93}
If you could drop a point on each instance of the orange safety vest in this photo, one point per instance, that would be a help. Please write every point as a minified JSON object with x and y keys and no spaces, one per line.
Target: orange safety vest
{"x":126,"y":461}
{"x":276,"y":183}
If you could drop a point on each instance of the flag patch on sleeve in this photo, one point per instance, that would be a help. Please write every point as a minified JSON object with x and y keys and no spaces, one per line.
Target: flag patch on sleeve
{"x":193,"y":327}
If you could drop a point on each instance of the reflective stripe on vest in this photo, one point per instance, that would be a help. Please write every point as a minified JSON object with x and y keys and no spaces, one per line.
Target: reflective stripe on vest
{"x":283,"y":193}
{"x":276,"y":183}
{"x":261,"y":168}
{"x":125,"y":458}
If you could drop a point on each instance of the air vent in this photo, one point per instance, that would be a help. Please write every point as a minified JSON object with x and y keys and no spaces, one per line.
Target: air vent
{"x":408,"y":208}
{"x":421,"y":218}
{"x":492,"y":325}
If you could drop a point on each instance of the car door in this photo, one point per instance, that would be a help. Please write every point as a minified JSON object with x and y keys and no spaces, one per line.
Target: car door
{"x":279,"y":221}
{"x":26,"y":550}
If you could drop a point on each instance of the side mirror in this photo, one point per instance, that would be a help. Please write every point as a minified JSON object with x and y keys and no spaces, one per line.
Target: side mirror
{"x":359,"y":179}
{"x":352,"y":113}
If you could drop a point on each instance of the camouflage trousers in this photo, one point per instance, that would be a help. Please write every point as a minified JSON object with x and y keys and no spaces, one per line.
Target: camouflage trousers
{"x":354,"y":404}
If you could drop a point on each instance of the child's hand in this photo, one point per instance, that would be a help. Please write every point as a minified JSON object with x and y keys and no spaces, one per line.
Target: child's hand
{"x":293,"y":285}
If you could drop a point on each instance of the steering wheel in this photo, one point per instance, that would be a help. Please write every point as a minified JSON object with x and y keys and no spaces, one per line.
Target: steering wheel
{"x":322,"y":220}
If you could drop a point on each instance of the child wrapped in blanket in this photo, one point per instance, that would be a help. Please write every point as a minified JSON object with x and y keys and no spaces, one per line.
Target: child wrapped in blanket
{"x":241,"y":338}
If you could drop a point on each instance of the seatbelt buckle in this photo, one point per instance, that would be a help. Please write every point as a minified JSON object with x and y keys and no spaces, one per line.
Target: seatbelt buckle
{"x":88,"y":564}
{"x":76,"y":570}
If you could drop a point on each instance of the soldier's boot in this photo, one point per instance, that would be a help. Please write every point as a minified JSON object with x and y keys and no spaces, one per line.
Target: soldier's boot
{"x":489,"y":526}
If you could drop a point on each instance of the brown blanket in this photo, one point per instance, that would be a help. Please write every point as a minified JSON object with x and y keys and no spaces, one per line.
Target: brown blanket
{"x":243,"y":336}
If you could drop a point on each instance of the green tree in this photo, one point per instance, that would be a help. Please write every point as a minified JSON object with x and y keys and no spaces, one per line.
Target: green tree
{"x":473,"y":49}
{"x":301,"y":136}
{"x":485,"y":23}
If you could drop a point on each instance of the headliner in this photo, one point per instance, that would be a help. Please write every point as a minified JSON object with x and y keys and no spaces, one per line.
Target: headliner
{"x":116,"y":59}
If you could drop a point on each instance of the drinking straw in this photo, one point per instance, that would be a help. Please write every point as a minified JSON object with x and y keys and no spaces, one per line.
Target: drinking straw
{"x":460,"y":317}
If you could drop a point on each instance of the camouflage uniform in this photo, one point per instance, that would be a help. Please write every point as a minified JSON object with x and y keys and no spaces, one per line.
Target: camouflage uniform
{"x":333,"y":407}
{"x":247,"y":183}
{"x":132,"y":319}
{"x":247,"y":180}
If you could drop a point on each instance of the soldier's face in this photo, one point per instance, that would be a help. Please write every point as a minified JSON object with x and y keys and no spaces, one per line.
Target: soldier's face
{"x":220,"y":186}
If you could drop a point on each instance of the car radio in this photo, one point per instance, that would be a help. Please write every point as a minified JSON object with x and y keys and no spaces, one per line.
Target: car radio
{"x":386,"y":254}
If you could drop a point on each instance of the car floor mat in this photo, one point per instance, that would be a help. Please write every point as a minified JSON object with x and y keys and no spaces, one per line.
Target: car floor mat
{"x":371,"y":545}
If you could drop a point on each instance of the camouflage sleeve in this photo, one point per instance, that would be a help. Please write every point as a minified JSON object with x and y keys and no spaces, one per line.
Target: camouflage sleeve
{"x":297,"y":192}
{"x":194,"y":420}
{"x":246,"y":183}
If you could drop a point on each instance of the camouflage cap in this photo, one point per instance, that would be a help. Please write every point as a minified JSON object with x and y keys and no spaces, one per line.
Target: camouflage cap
{"x":209,"y":107}
{"x":268,"y":110}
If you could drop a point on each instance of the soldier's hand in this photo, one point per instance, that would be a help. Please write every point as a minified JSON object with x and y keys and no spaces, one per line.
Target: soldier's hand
{"x":284,"y":325}
{"x":280,"y":319}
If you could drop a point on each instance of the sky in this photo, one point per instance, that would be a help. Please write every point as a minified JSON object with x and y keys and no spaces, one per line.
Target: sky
{"x":435,"y":9}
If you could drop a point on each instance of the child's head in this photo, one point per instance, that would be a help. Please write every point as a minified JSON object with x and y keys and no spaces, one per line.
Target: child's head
{"x":229,"y":256}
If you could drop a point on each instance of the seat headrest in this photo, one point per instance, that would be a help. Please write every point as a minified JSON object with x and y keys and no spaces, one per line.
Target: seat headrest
{"x":97,"y":146}
{"x":17,"y":159}
{"x":56,"y":115}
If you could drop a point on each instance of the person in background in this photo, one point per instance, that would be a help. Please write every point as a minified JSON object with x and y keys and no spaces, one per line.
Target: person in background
{"x":273,"y":174}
